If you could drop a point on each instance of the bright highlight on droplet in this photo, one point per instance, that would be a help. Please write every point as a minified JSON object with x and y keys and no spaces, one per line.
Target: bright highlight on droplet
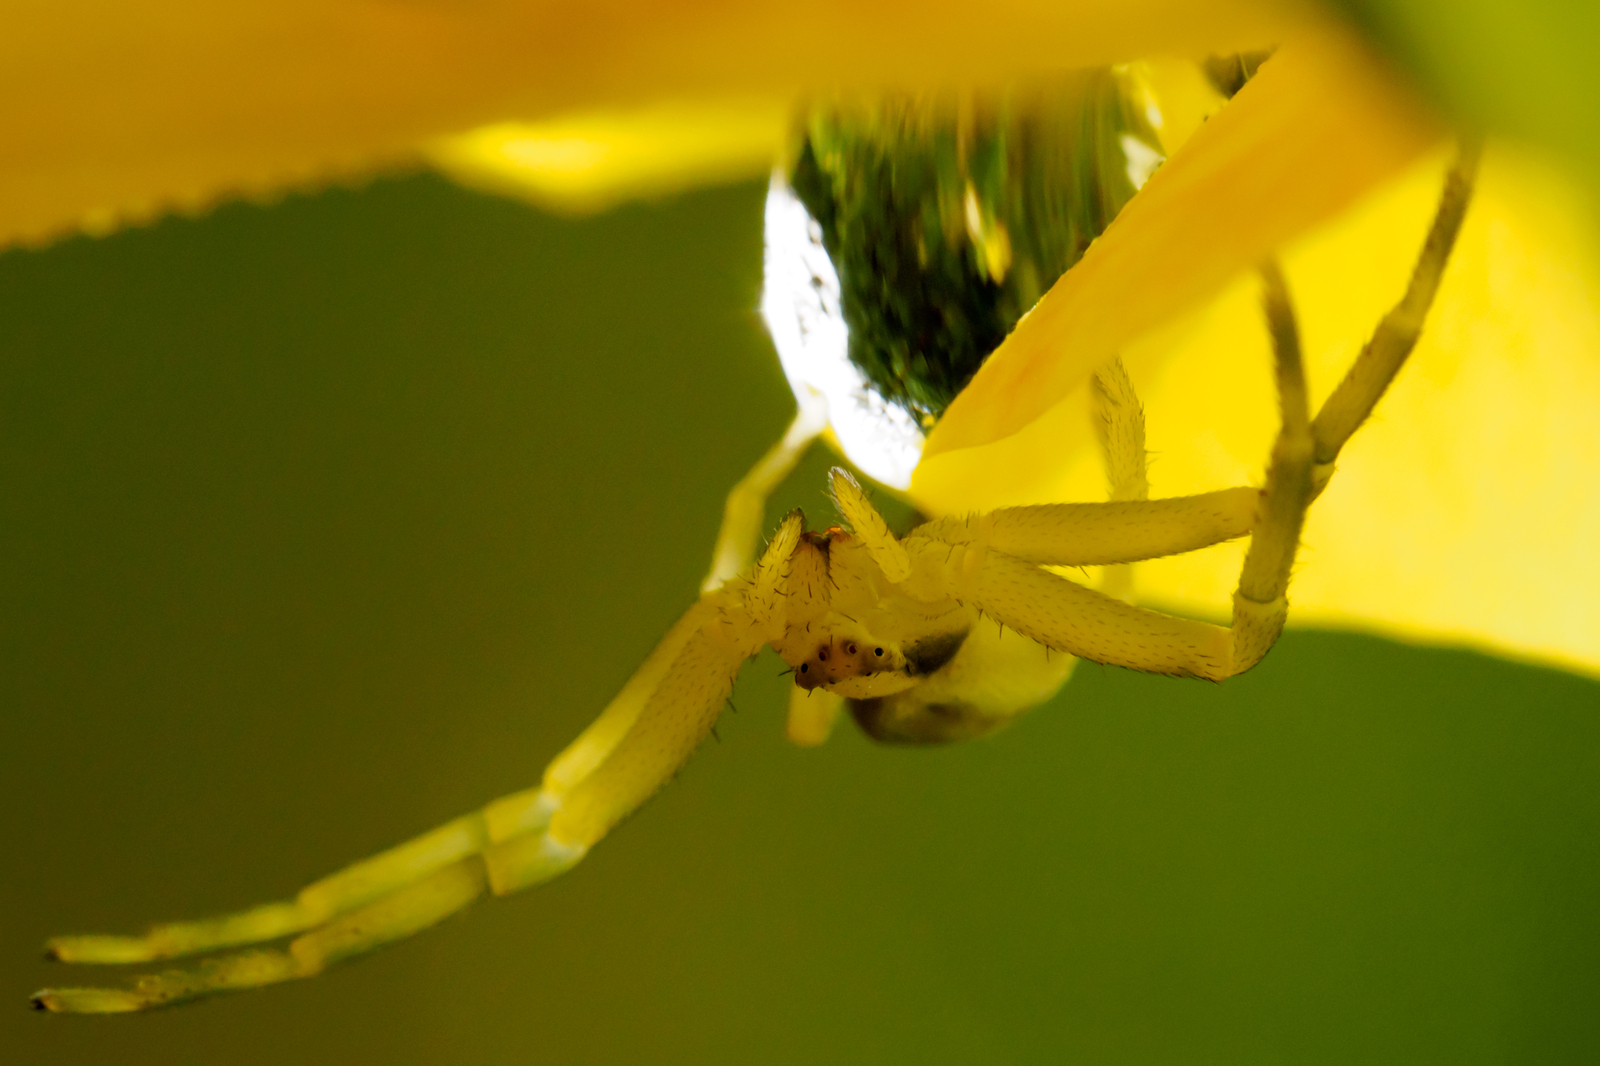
{"x":801,"y":303}
{"x":1142,"y":160}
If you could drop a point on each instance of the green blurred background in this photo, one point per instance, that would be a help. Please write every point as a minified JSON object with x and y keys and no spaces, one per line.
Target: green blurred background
{"x":325,"y":522}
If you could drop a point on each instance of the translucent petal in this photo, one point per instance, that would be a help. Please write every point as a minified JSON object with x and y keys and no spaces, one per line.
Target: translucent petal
{"x":115,"y":112}
{"x":1468,"y":509}
{"x":589,"y":162}
{"x":1316,"y":128}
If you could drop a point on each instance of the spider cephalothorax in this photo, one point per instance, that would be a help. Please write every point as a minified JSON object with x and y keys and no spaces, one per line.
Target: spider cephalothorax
{"x":849,"y":628}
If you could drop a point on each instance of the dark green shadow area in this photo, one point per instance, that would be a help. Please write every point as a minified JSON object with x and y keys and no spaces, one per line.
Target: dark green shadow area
{"x":323,"y":523}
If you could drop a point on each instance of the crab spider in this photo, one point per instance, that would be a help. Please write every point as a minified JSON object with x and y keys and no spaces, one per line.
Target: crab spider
{"x":888,"y":625}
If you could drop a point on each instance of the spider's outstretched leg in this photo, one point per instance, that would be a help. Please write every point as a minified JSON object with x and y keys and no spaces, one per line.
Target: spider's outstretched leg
{"x":996,"y":564}
{"x":811,"y":712}
{"x":1119,"y":426}
{"x":1354,"y":398}
{"x":1000,"y":551}
{"x":1260,"y":606}
{"x":1304,"y":454}
{"x":743,"y":515}
{"x":520,"y":840}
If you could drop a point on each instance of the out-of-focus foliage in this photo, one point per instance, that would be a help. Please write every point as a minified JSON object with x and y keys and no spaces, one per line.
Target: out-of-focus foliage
{"x":1523,"y":69}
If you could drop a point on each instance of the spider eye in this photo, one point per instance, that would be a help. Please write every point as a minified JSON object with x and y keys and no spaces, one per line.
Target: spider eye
{"x":877,"y":651}
{"x":850,"y":648}
{"x":822,"y":656}
{"x":804,"y":667}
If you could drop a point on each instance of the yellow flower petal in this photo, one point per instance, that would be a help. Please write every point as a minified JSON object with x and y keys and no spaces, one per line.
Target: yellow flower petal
{"x":585,"y":163}
{"x":1468,"y":509}
{"x":1317,"y":128}
{"x":115,"y":112}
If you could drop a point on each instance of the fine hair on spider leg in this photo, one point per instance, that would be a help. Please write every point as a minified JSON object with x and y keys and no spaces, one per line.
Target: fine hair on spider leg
{"x":1353,"y":399}
{"x":1118,"y":420}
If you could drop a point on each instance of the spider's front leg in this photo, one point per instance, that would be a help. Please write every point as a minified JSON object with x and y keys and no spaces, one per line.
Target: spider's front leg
{"x":1260,"y":604}
{"x":1306,"y":449}
{"x":634,"y":747}
{"x":995,"y":561}
{"x":1381,"y":359}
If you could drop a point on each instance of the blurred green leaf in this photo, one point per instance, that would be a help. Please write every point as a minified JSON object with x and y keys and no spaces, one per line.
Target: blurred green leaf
{"x":1519,"y":68}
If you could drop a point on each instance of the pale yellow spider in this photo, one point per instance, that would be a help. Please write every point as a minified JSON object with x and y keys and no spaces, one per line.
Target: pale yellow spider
{"x":894,"y":627}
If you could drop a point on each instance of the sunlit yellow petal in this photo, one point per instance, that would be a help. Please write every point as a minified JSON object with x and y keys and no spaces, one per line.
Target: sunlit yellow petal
{"x":1318,"y":127}
{"x":117,"y":111}
{"x":1468,"y":510}
{"x":589,"y":162}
